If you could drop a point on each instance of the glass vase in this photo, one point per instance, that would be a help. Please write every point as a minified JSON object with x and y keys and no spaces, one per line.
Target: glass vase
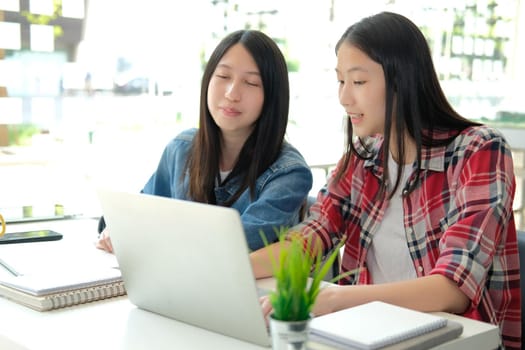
{"x":289,"y":335}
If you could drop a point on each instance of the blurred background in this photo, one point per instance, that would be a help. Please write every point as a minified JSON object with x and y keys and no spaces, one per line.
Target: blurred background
{"x":92,"y":90}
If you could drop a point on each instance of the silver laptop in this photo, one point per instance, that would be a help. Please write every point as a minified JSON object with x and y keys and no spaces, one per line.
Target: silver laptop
{"x":187,"y":261}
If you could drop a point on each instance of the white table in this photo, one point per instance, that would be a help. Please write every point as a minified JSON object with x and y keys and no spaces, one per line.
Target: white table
{"x":117,"y":324}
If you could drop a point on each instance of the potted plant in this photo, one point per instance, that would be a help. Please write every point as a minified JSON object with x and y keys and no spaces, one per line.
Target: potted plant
{"x":299,"y":277}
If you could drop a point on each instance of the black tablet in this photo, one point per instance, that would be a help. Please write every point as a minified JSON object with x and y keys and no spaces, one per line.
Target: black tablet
{"x":30,"y":236}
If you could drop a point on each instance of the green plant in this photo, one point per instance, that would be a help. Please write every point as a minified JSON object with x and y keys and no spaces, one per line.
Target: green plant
{"x":46,"y":19}
{"x":21,"y":134}
{"x":298,"y":276}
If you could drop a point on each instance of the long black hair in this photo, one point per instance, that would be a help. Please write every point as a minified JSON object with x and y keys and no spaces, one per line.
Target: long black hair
{"x":264,"y":144}
{"x":415,"y":103}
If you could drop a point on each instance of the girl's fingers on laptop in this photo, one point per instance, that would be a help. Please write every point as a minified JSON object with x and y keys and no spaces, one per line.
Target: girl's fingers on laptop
{"x":104,"y":242}
{"x":266,"y":306}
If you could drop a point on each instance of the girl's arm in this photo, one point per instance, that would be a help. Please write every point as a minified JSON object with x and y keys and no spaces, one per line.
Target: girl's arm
{"x":427,"y":294}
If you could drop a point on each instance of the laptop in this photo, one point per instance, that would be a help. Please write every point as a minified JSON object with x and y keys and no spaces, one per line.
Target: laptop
{"x":187,"y":261}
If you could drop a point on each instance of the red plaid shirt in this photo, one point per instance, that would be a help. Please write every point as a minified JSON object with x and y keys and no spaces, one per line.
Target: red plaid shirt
{"x":458,"y":222}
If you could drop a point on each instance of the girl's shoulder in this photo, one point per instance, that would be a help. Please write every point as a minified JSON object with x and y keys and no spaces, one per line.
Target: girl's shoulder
{"x":480,"y":134}
{"x":182,"y":142}
{"x":186,"y":135}
{"x":290,"y":156}
{"x":482,"y":130}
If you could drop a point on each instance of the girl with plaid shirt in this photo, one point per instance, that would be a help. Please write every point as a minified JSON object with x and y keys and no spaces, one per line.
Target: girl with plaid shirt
{"x":422,"y":196}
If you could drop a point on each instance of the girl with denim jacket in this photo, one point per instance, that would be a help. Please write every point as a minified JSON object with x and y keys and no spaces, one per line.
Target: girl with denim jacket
{"x":238,"y":156}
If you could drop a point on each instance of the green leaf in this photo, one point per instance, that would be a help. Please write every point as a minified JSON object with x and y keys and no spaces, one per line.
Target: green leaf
{"x":294,"y":297}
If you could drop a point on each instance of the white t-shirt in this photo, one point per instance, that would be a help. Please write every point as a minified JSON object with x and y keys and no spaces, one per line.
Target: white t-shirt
{"x":224,"y":174}
{"x":388,"y":258}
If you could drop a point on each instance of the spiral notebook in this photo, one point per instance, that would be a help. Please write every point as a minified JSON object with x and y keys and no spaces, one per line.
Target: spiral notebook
{"x":376,"y":325}
{"x":44,"y":292}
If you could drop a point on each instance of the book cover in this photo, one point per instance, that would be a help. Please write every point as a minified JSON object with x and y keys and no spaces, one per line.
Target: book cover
{"x":375,"y":325}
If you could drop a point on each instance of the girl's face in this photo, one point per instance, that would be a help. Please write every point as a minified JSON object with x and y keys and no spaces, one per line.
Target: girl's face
{"x":235,"y":92}
{"x":361,"y":90}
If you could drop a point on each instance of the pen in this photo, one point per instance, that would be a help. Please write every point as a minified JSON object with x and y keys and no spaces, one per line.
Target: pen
{"x":9,"y":268}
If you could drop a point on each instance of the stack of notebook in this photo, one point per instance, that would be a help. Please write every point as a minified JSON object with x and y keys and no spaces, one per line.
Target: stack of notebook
{"x":48,"y":291}
{"x":378,"y":325}
{"x":57,"y":274}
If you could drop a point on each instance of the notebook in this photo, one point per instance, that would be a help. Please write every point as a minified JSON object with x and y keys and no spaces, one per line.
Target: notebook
{"x":378,"y":325}
{"x":49,"y":291}
{"x":187,"y":261}
{"x":54,"y":274}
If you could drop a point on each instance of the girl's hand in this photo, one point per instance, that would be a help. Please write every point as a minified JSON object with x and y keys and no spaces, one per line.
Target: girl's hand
{"x":104,"y":242}
{"x":266,"y":307}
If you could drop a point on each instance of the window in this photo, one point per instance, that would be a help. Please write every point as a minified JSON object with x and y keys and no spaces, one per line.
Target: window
{"x":42,"y":38}
{"x":96,"y":104}
{"x":10,"y":36}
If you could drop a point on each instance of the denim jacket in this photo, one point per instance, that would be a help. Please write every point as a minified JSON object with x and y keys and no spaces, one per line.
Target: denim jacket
{"x":280,"y":190}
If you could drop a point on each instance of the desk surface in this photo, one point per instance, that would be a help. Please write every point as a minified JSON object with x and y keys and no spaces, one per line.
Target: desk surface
{"x":117,"y":324}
